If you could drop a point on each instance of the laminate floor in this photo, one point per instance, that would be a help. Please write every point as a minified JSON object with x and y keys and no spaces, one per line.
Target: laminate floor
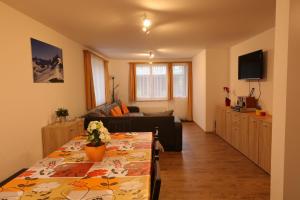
{"x":210,"y":169}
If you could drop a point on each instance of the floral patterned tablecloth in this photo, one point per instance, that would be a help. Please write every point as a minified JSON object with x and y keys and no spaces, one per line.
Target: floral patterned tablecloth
{"x":124,"y":172}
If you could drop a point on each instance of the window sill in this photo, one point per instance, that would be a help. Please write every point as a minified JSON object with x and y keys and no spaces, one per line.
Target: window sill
{"x":151,"y":100}
{"x":180,"y":97}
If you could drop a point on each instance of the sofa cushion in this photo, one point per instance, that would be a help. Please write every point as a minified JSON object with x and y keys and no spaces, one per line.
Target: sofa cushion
{"x":116,"y":111}
{"x":94,"y":114}
{"x":134,"y":114}
{"x":124,"y":108}
{"x":160,"y":114}
{"x":105,"y":109}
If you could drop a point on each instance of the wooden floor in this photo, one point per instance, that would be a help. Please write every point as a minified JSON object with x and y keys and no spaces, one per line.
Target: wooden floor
{"x":209,"y":168}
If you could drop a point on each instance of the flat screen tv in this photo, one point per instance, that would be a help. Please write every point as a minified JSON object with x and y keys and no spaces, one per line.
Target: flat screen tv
{"x":251,"y":66}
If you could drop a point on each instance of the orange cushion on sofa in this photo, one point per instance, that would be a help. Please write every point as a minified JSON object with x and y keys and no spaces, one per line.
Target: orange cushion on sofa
{"x":116,"y":112}
{"x":124,"y":108}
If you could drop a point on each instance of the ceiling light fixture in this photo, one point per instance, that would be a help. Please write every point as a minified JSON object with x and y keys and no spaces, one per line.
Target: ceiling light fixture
{"x":151,"y":55}
{"x":146,"y":24}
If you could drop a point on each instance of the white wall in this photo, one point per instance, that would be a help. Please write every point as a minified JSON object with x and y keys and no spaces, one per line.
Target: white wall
{"x":217,"y":77}
{"x":285,"y":174}
{"x":263,"y":41}
{"x":210,"y":75}
{"x":292,"y":137}
{"x":27,"y":106}
{"x":199,"y":89}
{"x":120,"y":69}
{"x":279,"y":100}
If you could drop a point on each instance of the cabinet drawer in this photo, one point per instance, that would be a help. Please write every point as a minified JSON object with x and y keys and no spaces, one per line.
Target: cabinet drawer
{"x":235,"y":124}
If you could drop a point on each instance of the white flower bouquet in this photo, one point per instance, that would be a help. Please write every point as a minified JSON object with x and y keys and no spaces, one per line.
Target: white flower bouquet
{"x":97,"y":134}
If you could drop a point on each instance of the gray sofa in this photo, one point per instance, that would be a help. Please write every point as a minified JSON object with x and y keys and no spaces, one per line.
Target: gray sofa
{"x":170,"y":127}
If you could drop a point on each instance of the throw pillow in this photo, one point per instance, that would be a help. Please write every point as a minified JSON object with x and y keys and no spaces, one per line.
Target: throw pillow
{"x":124,"y":108}
{"x":113,"y":113}
{"x":116,"y":111}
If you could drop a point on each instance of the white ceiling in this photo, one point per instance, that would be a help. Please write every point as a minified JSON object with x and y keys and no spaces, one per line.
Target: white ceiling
{"x":180,"y":27}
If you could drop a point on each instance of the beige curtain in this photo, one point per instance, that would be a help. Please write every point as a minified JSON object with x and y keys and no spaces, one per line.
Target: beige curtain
{"x":132,"y":83}
{"x":190,"y":92}
{"x":107,"y":83}
{"x":170,"y":81}
{"x":89,"y":84}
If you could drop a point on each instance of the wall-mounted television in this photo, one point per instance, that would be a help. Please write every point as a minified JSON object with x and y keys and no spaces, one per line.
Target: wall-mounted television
{"x":251,"y":66}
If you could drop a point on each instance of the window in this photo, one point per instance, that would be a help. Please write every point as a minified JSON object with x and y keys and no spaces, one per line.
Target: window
{"x":180,"y":79}
{"x":151,"y":82}
{"x":98,"y":80}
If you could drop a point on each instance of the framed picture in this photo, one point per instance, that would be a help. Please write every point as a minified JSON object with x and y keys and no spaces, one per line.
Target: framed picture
{"x":47,"y":63}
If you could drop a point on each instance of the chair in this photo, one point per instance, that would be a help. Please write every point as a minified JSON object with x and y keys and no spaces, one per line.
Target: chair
{"x":156,"y":181}
{"x":155,"y":144}
{"x":155,"y":133}
{"x":156,"y":149}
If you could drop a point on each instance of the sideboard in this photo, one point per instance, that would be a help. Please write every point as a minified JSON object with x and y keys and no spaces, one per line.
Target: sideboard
{"x":248,"y":133}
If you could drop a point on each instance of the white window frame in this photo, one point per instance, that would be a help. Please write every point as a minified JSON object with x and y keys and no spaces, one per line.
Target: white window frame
{"x":185,"y":65}
{"x":152,"y":97}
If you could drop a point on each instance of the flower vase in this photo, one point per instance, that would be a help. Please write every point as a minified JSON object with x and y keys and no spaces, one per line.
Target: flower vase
{"x":227,"y":102}
{"x":62,"y":119}
{"x":95,"y":154}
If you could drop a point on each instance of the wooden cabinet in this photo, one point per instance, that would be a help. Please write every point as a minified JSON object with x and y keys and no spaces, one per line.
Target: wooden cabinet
{"x":235,"y":130}
{"x":244,"y":134}
{"x":57,"y":134}
{"x":220,"y":121}
{"x":248,"y":133}
{"x":265,"y":138}
{"x":254,"y":125}
{"x":228,"y":136}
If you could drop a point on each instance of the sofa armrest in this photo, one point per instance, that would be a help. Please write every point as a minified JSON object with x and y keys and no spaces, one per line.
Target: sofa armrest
{"x":133,"y":109}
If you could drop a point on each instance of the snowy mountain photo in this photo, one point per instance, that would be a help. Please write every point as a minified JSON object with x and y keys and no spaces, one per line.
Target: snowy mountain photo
{"x":47,"y":63}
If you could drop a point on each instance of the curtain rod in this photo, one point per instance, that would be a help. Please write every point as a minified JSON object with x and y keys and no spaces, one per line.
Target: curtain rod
{"x":160,"y":62}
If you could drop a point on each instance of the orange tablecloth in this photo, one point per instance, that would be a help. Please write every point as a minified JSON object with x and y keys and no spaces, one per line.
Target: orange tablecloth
{"x":124,"y":172}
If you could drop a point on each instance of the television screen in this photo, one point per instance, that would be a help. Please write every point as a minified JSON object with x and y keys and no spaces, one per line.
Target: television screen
{"x":251,"y":66}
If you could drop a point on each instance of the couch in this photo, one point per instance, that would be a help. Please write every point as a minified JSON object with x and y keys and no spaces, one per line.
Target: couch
{"x":170,"y":127}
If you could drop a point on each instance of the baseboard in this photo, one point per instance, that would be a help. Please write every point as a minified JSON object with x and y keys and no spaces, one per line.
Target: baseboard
{"x":12,"y":177}
{"x":208,"y":132}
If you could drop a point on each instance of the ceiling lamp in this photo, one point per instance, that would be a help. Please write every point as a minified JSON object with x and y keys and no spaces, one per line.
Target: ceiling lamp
{"x":151,"y":55}
{"x":146,"y":24}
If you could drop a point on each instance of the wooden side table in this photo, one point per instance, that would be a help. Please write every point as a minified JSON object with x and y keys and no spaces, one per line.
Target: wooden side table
{"x":57,"y":134}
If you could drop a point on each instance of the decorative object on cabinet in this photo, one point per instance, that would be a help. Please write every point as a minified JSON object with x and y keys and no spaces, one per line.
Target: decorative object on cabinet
{"x":227,"y":99}
{"x":62,"y":114}
{"x":57,"y":134}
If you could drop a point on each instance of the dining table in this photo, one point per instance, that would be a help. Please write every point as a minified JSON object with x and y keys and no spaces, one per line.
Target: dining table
{"x":123,"y":174}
